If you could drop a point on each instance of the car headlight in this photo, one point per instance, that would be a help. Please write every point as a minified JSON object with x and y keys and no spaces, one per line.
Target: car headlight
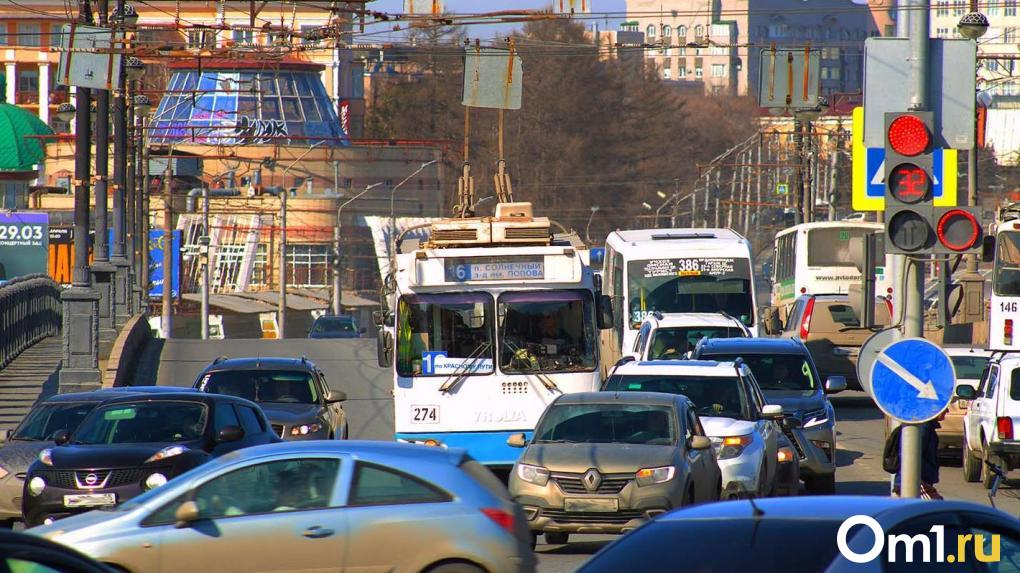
{"x":305,"y":429}
{"x":650,"y":476}
{"x":36,"y":485}
{"x":732,"y":446}
{"x":533,"y":474}
{"x":785,"y":454}
{"x":46,"y":456}
{"x":155,"y":480}
{"x":167,"y":452}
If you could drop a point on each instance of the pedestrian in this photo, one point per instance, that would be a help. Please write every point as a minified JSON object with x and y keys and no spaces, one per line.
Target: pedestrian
{"x":929,"y":458}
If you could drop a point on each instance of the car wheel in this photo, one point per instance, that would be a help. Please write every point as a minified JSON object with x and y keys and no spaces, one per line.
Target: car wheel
{"x":534,"y":540}
{"x":987,"y":477}
{"x":971,"y":464}
{"x":556,"y":537}
{"x":456,"y":568}
{"x":821,"y":485}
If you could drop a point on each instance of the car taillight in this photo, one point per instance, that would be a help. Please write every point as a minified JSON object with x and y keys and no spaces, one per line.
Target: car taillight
{"x":503,"y":518}
{"x":805,"y":323}
{"x":1005,"y":427}
{"x":888,"y":305}
{"x":1007,"y":332}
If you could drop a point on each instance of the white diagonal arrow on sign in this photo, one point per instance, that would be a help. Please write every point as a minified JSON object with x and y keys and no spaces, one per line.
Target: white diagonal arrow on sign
{"x":924,"y":390}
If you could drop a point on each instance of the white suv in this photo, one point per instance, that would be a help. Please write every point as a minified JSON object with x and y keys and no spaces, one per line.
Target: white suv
{"x":754,"y":455}
{"x":670,"y":336}
{"x":988,"y":427}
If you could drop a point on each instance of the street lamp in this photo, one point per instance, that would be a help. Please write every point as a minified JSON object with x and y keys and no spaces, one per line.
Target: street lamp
{"x":337,"y":278}
{"x":143,"y":106}
{"x":587,"y":228}
{"x":133,"y":68}
{"x":393,"y":192}
{"x":973,"y":25}
{"x":65,"y":112}
{"x":128,"y":17}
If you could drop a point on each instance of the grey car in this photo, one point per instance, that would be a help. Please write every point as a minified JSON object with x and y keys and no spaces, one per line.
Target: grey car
{"x":314,"y":506}
{"x":607,"y":462}
{"x":293,"y":393}
{"x":787,"y":376}
{"x":35,"y":434}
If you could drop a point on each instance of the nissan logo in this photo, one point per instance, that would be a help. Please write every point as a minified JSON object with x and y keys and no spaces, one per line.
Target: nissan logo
{"x":91,"y":479}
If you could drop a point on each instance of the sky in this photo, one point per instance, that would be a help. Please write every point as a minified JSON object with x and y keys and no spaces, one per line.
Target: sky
{"x":476,"y":6}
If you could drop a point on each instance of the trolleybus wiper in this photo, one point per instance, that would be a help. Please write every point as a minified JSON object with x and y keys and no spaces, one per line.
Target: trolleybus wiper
{"x":472,"y":358}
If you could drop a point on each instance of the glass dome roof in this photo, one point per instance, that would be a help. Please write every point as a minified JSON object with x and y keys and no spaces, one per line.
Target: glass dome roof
{"x":287,"y":106}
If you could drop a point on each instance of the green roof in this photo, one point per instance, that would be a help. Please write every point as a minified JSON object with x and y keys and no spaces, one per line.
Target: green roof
{"x":17,"y":152}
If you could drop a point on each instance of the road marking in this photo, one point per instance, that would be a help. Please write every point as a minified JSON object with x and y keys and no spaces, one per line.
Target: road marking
{"x":924,"y":390}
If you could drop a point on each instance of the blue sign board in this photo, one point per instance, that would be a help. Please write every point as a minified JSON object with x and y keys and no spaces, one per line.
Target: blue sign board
{"x":24,"y":244}
{"x":912,"y":380}
{"x":875,"y":186}
{"x":156,"y":241}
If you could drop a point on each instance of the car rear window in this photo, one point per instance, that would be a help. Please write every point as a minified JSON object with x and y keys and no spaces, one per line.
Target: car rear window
{"x":970,"y":367}
{"x":845,"y":315}
{"x":722,"y":545}
{"x":1014,"y":385}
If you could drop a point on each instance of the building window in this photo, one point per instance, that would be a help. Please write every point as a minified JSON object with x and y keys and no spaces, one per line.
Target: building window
{"x":718,"y":70}
{"x":941,"y":32}
{"x":29,"y":33}
{"x":681,"y":31}
{"x":667,"y":31}
{"x":667,"y":73}
{"x":667,"y":63}
{"x":960,"y":7}
{"x":243,"y":36}
{"x":198,"y":39}
{"x":698,"y":73}
{"x":777,"y":30}
{"x":992,"y":65}
{"x":55,"y":33}
{"x":721,"y":30}
{"x":699,"y":32}
{"x":1009,"y":35}
{"x":993,"y":8}
{"x":357,"y":83}
{"x":681,"y":51}
{"x":719,"y":51}
{"x":650,"y":31}
{"x":942,"y":8}
{"x":1010,"y":8}
{"x":682,"y":71}
{"x":308,"y":265}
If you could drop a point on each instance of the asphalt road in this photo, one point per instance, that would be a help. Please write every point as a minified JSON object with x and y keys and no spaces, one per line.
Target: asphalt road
{"x":350,"y":366}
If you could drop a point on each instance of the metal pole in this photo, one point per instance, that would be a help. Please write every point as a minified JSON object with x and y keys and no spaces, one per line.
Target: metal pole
{"x":336,"y":265}
{"x":283,"y":263}
{"x":119,"y":163}
{"x":168,"y":250}
{"x":143,"y":212}
{"x":798,"y":176}
{"x":913,"y":319}
{"x":205,"y":264}
{"x":101,"y":252}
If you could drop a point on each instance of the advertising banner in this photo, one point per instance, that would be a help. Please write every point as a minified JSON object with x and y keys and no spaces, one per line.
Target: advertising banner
{"x":156,"y":241}
{"x":24,"y":242}
{"x":383,"y":229}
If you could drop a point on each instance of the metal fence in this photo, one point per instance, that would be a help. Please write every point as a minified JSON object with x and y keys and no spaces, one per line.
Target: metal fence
{"x":30,"y":310}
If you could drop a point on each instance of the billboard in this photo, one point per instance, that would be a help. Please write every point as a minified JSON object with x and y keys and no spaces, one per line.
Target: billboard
{"x":24,"y":242}
{"x":61,"y":258}
{"x":383,"y":229}
{"x":156,"y":241}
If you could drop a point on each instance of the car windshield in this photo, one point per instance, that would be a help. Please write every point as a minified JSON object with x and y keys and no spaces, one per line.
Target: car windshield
{"x":720,"y":396}
{"x":778,"y":372}
{"x":292,"y":386}
{"x":334,"y":326}
{"x":674,"y":342}
{"x":142,"y":423}
{"x":608,"y":424}
{"x":969,"y":367}
{"x":443,"y":335}
{"x":690,"y":285}
{"x":547,"y":331}
{"x":1006,"y":280}
{"x":45,"y":420}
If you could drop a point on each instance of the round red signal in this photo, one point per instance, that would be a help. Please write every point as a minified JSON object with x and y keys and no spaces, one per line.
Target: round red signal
{"x":908,"y":135}
{"x":958,"y":230}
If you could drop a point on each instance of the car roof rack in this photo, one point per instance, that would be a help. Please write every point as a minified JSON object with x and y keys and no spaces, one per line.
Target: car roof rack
{"x":220,"y":358}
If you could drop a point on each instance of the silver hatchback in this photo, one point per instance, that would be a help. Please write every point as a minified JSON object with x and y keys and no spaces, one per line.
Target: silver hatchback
{"x":318,"y":505}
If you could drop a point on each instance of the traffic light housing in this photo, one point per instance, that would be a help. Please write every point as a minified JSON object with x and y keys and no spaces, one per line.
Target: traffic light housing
{"x":913,"y":224}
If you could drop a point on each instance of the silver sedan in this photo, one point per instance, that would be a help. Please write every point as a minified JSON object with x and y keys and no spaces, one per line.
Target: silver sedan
{"x":314,"y":506}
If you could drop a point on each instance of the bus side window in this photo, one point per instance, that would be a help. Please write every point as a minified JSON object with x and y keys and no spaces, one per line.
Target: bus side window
{"x":642,"y":337}
{"x":619,"y":316}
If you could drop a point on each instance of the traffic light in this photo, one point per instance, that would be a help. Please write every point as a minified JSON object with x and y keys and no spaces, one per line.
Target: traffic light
{"x":914,"y":225}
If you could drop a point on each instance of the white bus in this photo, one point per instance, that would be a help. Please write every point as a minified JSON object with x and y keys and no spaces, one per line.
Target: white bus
{"x":1004,"y":311}
{"x":815,"y":258}
{"x":674,"y":270}
{"x":493,"y":319}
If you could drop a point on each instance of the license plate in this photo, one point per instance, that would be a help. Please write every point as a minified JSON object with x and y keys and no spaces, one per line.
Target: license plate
{"x":90,"y":499}
{"x":590,"y":504}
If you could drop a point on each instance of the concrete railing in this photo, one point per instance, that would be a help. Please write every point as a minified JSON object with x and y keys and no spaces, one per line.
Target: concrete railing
{"x":133,"y":338}
{"x":30,"y":310}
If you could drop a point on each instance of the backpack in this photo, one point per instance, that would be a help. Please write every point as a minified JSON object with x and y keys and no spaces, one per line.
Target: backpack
{"x":891,"y":452}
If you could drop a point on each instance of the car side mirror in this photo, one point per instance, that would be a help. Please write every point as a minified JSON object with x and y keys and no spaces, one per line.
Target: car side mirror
{"x":605,"y":312}
{"x":384,"y":348}
{"x":701,"y":443}
{"x":835,"y":384}
{"x":333,"y":396}
{"x":187,"y":513}
{"x":229,"y":434}
{"x":631,"y":355}
{"x":966,"y":392}
{"x":517,"y":441}
{"x":61,"y":437}
{"x":988,"y":248}
{"x":772,"y":412}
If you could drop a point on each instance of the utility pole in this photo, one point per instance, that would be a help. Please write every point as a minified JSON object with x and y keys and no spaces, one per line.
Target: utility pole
{"x":122,"y":284}
{"x":913,"y":320}
{"x":204,"y":253}
{"x":80,"y":348}
{"x":102,"y":270}
{"x":283,"y":263}
{"x":798,"y":185}
{"x":168,"y":250}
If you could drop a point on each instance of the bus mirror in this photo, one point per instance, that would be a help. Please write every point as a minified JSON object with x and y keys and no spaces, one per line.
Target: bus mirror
{"x":384,"y":347}
{"x":988,"y":248}
{"x":605,"y":312}
{"x":382,"y":317}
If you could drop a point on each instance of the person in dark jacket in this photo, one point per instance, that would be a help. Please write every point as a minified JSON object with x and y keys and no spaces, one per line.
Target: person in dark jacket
{"x":929,"y":458}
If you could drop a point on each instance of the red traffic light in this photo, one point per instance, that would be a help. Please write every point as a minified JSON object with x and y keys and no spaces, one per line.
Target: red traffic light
{"x":908,"y":135}
{"x":958,"y":230}
{"x":909,"y":183}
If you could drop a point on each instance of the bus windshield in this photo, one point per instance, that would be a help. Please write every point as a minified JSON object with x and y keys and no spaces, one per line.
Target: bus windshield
{"x":444,"y":334}
{"x":1007,"y":264}
{"x":721,"y":284}
{"x":547,"y":331}
{"x":830,"y":246}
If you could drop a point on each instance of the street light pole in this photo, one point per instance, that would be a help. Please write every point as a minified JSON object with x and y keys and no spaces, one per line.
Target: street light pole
{"x":282,"y":310}
{"x":122,"y":285}
{"x":204,"y":257}
{"x":393,"y":193}
{"x":338,"y":259}
{"x":587,"y":228}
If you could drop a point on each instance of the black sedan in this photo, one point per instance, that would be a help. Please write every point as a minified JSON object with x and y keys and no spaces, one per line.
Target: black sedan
{"x":292,"y":392}
{"x":135,"y":443}
{"x":335,"y":326}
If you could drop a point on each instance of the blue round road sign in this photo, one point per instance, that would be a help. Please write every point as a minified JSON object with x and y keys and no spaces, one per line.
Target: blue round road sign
{"x":912,"y":380}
